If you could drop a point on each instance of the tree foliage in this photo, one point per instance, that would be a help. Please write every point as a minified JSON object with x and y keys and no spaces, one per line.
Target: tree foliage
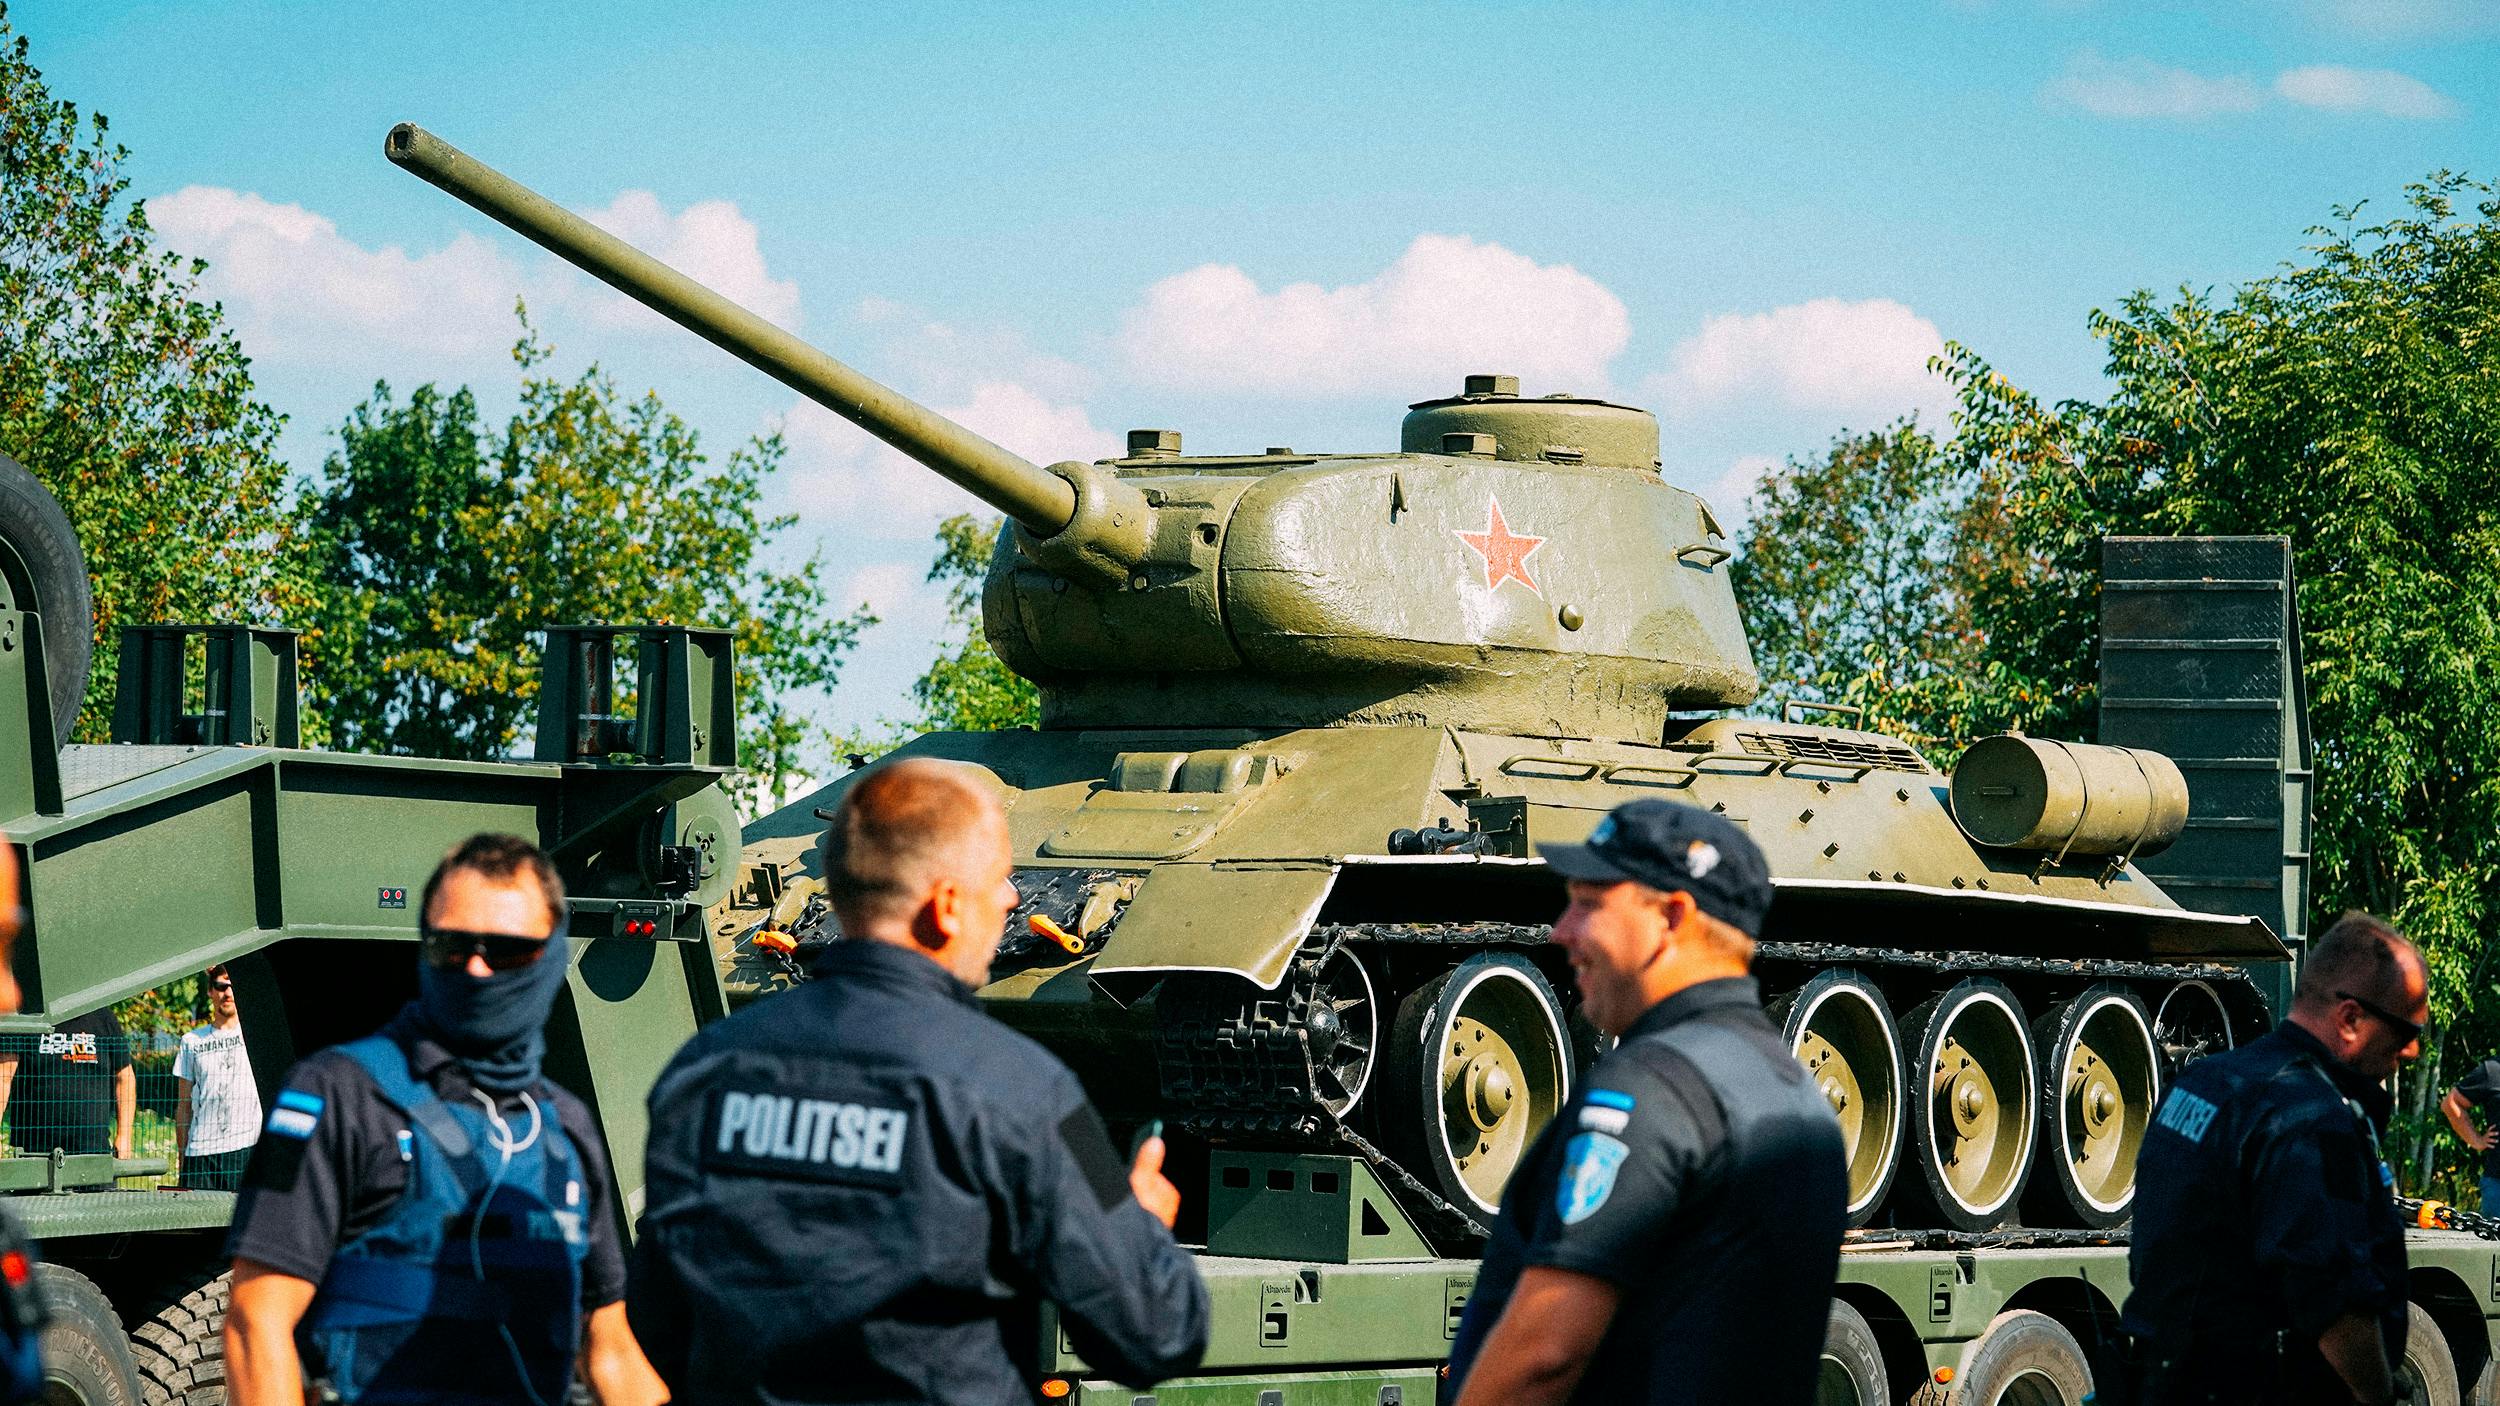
{"x":440,"y":548}
{"x":968,"y":688}
{"x":1855,"y":580}
{"x":124,"y":392}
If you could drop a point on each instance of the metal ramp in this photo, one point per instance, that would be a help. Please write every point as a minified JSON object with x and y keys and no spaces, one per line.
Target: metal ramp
{"x":2200,"y":660}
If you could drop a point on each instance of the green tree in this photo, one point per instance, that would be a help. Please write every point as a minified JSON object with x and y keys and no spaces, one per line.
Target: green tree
{"x":1854,"y":580}
{"x":968,"y":688}
{"x":2349,"y":401}
{"x":124,"y":392}
{"x":440,"y":548}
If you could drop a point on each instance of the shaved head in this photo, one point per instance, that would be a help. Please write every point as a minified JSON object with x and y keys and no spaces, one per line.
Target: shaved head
{"x":2364,"y":956}
{"x":2365,"y":994}
{"x":901,"y":829}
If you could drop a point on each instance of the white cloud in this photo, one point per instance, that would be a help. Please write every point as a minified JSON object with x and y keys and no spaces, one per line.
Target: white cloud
{"x":947,"y":362}
{"x":844,"y":483}
{"x":1446,"y":307}
{"x":901,"y":594}
{"x":2139,"y":88}
{"x":1822,"y":355}
{"x":1731,"y":496}
{"x":296,"y":290}
{"x":2374,"y":90}
{"x":709,"y":242}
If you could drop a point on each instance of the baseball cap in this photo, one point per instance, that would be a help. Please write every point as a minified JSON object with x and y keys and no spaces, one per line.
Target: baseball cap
{"x":1675,"y":847}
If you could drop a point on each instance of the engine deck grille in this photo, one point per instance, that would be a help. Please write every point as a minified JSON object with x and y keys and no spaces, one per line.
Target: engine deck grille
{"x":1823,"y":747}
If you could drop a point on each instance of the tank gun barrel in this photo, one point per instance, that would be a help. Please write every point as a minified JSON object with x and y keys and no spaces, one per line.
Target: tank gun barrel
{"x":1042,"y":501}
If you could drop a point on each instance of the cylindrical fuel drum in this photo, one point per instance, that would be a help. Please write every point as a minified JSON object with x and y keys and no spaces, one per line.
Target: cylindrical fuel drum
{"x":2068,"y":798}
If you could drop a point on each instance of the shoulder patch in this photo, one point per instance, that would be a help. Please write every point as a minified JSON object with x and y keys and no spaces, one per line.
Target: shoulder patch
{"x":773,"y":1133}
{"x":1590,"y":1162}
{"x":2187,"y":1114}
{"x":296,"y":1115}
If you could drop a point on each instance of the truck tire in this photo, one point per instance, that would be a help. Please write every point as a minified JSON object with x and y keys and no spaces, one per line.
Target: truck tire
{"x":1853,"y":1363}
{"x":2023,"y":1357}
{"x":86,"y":1356}
{"x":35,"y":529}
{"x":180,"y":1347}
{"x":2428,"y":1375}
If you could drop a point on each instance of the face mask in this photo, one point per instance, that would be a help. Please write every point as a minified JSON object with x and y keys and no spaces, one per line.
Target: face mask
{"x":495,"y":1024}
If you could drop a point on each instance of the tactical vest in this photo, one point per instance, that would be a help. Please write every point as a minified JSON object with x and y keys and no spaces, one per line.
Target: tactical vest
{"x":470,"y":1291}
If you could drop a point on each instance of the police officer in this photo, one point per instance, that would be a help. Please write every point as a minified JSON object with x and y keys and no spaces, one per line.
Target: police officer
{"x":2268,"y":1262}
{"x":425,"y":1217}
{"x":860,"y":1188}
{"x":22,"y":1317}
{"x":1674,"y":1233}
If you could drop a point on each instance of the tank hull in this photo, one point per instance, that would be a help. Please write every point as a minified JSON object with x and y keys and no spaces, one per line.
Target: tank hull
{"x":1212,"y":890}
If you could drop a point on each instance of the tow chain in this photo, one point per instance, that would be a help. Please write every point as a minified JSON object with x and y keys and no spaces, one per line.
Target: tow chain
{"x":1453,"y":1222}
{"x":2439,"y":1215}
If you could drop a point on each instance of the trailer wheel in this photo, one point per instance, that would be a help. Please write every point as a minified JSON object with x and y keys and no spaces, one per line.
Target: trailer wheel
{"x":2023,"y":1359}
{"x":86,"y":1357}
{"x":42,"y":569}
{"x":1853,"y":1363}
{"x":180,"y":1348}
{"x":2428,"y":1375}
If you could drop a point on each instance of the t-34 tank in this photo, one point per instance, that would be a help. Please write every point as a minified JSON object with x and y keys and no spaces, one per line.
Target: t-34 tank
{"x":1307,"y":718}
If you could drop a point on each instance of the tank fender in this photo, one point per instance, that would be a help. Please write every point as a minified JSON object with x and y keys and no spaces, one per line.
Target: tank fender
{"x":1242,"y":918}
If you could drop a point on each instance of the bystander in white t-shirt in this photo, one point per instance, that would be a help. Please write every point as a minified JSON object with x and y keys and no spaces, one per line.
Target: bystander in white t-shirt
{"x":225,"y":1103}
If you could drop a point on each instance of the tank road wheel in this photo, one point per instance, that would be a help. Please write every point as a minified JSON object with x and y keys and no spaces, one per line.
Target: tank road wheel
{"x":2100,"y":1079}
{"x":86,"y":1357}
{"x":1480,"y":1066}
{"x":1972,"y":1119}
{"x":1840,"y":1027}
{"x":1339,"y":1012}
{"x":2189,"y":1025}
{"x":2023,"y":1359}
{"x":1853,"y":1362}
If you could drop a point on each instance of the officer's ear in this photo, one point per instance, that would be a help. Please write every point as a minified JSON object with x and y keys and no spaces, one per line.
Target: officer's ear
{"x":939,"y":917}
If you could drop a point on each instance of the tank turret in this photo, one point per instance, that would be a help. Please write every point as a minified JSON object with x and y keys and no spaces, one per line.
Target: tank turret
{"x":1517,"y":566}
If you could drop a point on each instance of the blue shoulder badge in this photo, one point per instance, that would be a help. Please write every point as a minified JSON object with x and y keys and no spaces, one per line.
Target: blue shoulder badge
{"x":1590,"y":1162}
{"x":296,"y":1114}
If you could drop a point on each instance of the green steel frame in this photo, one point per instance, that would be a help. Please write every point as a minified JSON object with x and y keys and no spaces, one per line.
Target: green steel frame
{"x":182,"y":844}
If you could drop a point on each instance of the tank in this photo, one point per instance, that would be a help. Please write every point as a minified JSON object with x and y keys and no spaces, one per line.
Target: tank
{"x":1307,"y":721}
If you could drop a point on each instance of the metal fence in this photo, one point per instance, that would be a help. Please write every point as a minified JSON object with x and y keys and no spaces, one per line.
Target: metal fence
{"x":108,"y":1083}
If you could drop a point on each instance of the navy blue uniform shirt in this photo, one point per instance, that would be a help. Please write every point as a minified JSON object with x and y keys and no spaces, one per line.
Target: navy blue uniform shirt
{"x":1700,"y":1172}
{"x":2262,"y":1214}
{"x":859,"y":1189}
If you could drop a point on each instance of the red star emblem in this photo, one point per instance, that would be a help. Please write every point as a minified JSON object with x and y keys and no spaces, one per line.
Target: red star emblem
{"x":1505,"y":552}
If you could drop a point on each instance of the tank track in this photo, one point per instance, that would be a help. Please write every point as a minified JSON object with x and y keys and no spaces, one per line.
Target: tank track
{"x":1234,"y":1063}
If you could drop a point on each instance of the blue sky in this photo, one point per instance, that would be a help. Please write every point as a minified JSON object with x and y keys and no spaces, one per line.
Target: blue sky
{"x":1259,"y":224}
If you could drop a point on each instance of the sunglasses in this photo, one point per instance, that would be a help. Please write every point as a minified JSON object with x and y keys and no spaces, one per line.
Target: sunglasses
{"x":2410,"y":1029}
{"x":221,"y":986}
{"x":503,"y":951}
